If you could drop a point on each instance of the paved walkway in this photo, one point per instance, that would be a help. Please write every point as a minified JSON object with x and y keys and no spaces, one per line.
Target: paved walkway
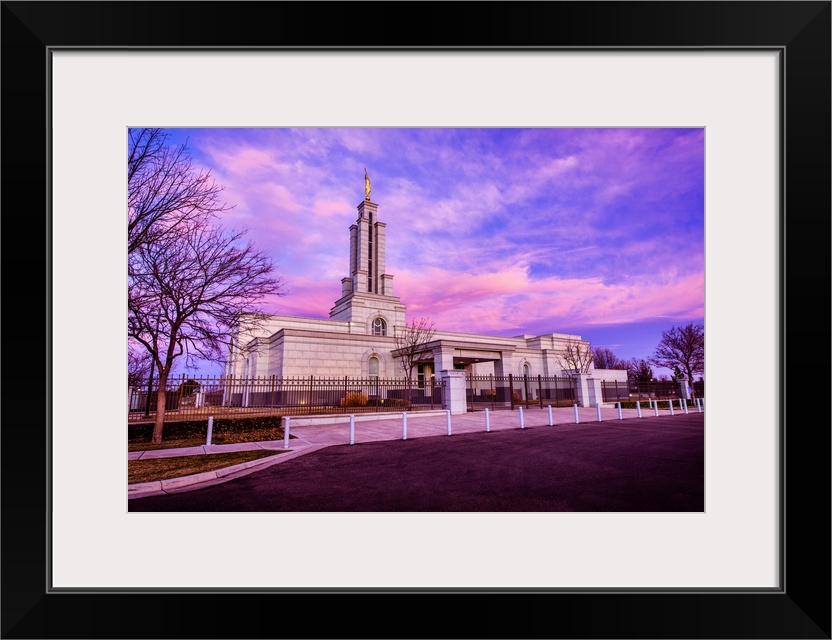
{"x":313,"y":437}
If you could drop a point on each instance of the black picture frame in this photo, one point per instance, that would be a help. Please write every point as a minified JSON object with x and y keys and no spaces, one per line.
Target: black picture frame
{"x":800,"y":608}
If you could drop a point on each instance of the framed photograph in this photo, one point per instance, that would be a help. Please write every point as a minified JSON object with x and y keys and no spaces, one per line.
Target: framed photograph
{"x":754,"y":75}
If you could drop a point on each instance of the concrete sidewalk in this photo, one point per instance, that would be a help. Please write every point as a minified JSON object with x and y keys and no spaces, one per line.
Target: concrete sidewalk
{"x":305,"y":438}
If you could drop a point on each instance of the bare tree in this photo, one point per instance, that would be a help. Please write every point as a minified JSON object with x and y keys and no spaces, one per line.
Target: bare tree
{"x":411,"y":341}
{"x":188,"y":290}
{"x":638,"y":370}
{"x":575,"y":356}
{"x":139,"y":364}
{"x":682,"y":347}
{"x":164,"y":190}
{"x":604,"y":358}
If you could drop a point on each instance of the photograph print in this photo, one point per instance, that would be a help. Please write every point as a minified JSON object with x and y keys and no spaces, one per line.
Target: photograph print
{"x":416,"y":319}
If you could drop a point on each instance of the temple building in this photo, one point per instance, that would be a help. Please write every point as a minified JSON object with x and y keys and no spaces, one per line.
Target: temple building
{"x":357,"y":339}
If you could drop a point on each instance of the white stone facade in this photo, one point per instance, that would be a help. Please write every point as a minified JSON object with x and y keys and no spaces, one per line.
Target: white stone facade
{"x":357,"y":340}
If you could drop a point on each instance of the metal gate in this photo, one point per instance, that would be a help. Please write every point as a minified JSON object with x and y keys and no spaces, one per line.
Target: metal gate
{"x":508,"y":392}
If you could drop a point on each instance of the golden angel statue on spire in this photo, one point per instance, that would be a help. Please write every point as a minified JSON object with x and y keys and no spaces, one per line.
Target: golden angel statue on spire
{"x":366,"y":185}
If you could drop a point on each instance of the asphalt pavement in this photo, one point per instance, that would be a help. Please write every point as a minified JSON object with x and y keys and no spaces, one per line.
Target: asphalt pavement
{"x":505,"y":461}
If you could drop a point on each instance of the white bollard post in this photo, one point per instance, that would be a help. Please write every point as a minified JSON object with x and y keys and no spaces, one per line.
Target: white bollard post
{"x":285,"y":432}
{"x":638,"y":408}
{"x":522,"y":425}
{"x":619,"y":409}
{"x":683,"y":405}
{"x":656,"y":408}
{"x":352,"y":428}
{"x":404,"y":425}
{"x":448,"y":420}
{"x":702,"y":400}
{"x":598,"y":411}
{"x":487,"y":422}
{"x":575,"y":407}
{"x":210,"y":430}
{"x":670,"y":404}
{"x":698,"y":406}
{"x":550,"y":416}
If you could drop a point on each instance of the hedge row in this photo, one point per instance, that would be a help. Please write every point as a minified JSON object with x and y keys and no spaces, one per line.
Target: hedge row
{"x":199,"y":428}
{"x":662,"y":404}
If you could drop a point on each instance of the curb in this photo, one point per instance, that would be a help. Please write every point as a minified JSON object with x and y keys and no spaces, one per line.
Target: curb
{"x":207,"y":478}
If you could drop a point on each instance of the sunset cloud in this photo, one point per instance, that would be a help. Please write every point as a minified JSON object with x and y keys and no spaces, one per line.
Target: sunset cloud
{"x":502,"y":231}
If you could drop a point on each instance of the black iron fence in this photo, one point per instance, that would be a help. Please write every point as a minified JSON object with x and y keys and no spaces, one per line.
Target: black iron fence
{"x":188,"y":398}
{"x":615,"y":391}
{"x":496,"y":392}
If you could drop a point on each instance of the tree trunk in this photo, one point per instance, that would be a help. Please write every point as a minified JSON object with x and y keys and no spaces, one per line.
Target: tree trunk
{"x":160,"y":409}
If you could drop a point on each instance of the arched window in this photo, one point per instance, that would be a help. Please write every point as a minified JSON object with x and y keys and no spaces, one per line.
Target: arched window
{"x":373,"y":370}
{"x":527,"y":370}
{"x":379,"y":327}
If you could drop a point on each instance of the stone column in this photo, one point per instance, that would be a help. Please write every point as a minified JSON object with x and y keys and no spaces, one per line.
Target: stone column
{"x":596,"y":394}
{"x":584,"y":398}
{"x":454,"y":392}
{"x":353,"y":249}
{"x":683,"y":389}
{"x":502,"y":367}
{"x":443,"y":359}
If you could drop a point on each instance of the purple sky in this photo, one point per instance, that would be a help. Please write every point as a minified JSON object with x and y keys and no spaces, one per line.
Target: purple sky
{"x":597,"y":232}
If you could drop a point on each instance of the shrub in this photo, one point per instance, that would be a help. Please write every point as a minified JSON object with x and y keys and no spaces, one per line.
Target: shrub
{"x":184,"y":429}
{"x":188,"y":388}
{"x":516,"y":396}
{"x":354,"y":399}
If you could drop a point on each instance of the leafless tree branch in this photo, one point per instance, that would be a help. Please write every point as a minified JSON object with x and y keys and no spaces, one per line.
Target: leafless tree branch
{"x":575,"y":356}
{"x":682,"y":347}
{"x":164,"y":191}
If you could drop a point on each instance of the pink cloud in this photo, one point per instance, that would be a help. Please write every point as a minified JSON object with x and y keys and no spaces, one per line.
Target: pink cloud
{"x":504,"y":300}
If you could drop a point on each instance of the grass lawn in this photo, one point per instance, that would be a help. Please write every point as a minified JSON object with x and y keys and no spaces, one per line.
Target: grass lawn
{"x":167,"y":468}
{"x":251,"y":435}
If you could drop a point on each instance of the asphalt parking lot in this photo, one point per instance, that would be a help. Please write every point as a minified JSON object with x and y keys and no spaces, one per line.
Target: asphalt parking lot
{"x":654,"y":464}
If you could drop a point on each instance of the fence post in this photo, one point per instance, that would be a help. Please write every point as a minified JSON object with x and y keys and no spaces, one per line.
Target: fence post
{"x":487,"y":421}
{"x":469,"y":380}
{"x":286,"y":432}
{"x":448,"y":420}
{"x":404,"y":425}
{"x":352,"y":428}
{"x":511,"y":388}
{"x":598,"y":410}
{"x":210,"y":430}
{"x":550,"y":415}
{"x":540,"y":389}
{"x":638,"y":408}
{"x":618,"y":406}
{"x":520,"y":410}
{"x":575,"y":407}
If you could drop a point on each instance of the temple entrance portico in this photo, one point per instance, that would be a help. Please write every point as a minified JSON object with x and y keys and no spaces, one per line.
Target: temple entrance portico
{"x":454,"y":355}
